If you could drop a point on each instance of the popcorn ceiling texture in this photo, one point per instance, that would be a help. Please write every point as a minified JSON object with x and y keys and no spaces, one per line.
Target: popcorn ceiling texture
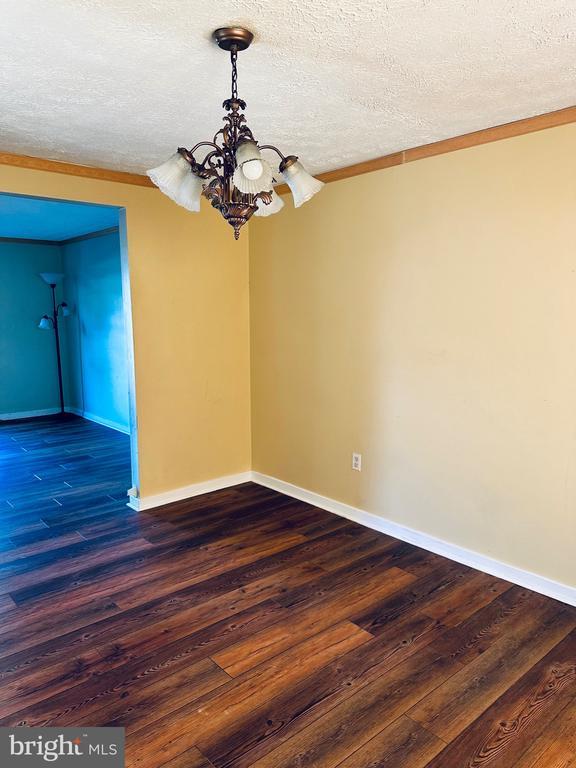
{"x":120,"y":84}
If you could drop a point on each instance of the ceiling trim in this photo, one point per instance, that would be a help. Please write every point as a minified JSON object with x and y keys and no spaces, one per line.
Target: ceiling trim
{"x":28,"y":241}
{"x":66,"y":241}
{"x":71,"y":169}
{"x":89,"y":236}
{"x":466,"y":140}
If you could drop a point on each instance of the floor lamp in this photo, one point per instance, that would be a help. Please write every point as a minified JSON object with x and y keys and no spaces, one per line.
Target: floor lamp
{"x":50,"y":322}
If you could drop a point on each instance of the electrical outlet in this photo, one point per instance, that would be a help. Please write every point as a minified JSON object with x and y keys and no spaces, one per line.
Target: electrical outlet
{"x":357,"y":462}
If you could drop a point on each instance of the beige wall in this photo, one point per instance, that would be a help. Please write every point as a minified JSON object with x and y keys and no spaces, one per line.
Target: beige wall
{"x":189,"y":281}
{"x":425,"y":316}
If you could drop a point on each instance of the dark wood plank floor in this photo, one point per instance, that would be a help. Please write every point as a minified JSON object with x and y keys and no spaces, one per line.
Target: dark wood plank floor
{"x":244,"y":629}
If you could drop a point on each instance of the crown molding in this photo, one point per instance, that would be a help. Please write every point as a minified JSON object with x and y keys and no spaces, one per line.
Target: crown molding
{"x":29,"y":241}
{"x":88,"y":236}
{"x":71,"y":169}
{"x":464,"y":141}
{"x":58,"y":243}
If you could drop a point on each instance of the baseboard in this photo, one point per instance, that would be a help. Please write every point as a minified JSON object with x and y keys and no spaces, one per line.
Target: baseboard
{"x":77,"y":411}
{"x":533,"y":581}
{"x":515,"y":575}
{"x":99,"y":420}
{"x":28,"y":414}
{"x":141,"y":503}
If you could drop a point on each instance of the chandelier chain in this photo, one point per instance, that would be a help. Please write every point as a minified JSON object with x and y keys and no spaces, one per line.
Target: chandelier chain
{"x":233,"y":58}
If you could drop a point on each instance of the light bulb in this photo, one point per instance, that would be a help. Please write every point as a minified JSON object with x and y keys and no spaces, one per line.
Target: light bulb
{"x":253,"y":169}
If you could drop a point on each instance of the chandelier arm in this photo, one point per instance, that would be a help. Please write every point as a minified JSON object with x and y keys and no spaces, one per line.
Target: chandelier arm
{"x":275,"y":149}
{"x":204,"y":144}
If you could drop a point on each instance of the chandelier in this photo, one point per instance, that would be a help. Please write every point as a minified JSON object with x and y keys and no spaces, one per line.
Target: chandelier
{"x":233,"y":176}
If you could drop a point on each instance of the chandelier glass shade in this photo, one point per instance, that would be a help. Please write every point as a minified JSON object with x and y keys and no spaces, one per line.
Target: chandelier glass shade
{"x":233,"y":174}
{"x":275,"y":205}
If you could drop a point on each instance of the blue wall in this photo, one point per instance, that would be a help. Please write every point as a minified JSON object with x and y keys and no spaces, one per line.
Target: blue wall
{"x":28,"y":375}
{"x":98,"y":368}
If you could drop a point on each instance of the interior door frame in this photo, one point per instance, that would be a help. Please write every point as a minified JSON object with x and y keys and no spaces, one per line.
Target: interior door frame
{"x":127,"y":307}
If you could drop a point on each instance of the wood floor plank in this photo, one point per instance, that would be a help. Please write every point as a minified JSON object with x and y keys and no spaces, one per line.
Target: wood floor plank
{"x":85,"y":682}
{"x":20,"y":579}
{"x":377,"y":617}
{"x":192,"y":758}
{"x":456,"y":605}
{"x":186,"y":564}
{"x":238,"y":698}
{"x":276,"y":721}
{"x":22,"y":628}
{"x":335,"y":736}
{"x":471,"y":638}
{"x":246,"y":629}
{"x":404,"y":744}
{"x":6,"y":604}
{"x":556,"y":745}
{"x":138,"y":706}
{"x":449,"y":709}
{"x":12,"y":552}
{"x":321,"y":613}
{"x":151,"y":627}
{"x":511,"y":725}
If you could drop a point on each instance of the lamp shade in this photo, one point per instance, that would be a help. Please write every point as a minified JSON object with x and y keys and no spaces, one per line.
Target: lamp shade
{"x":189,"y":192}
{"x":169,"y":176}
{"x":45,"y":323}
{"x":248,"y":155}
{"x":274,"y":206}
{"x":302,"y":185}
{"x":253,"y":174}
{"x":52,"y":278}
{"x":65,"y":309}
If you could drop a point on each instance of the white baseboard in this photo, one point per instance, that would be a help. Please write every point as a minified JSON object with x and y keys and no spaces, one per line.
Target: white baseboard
{"x":99,"y":420}
{"x":68,"y":409}
{"x":141,"y":503}
{"x":515,"y":575}
{"x":533,"y":581}
{"x":28,"y":414}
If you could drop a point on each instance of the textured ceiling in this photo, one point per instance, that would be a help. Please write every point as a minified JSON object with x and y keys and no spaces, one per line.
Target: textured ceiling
{"x":120,"y":84}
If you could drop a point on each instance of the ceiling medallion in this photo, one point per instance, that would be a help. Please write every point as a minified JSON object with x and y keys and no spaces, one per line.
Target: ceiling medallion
{"x":233,"y":175}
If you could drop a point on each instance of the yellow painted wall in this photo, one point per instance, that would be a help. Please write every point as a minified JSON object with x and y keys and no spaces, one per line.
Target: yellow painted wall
{"x":189,"y":282}
{"x":425,"y":316}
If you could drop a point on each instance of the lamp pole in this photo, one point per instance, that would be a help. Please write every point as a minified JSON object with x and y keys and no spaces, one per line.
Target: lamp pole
{"x":48,"y":322}
{"x":55,"y":309}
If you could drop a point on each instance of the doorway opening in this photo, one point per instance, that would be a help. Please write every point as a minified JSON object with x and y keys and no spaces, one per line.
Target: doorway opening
{"x":67,"y":402}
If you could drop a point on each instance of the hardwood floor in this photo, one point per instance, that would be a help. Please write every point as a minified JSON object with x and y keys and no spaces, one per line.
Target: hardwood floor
{"x":244,"y":629}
